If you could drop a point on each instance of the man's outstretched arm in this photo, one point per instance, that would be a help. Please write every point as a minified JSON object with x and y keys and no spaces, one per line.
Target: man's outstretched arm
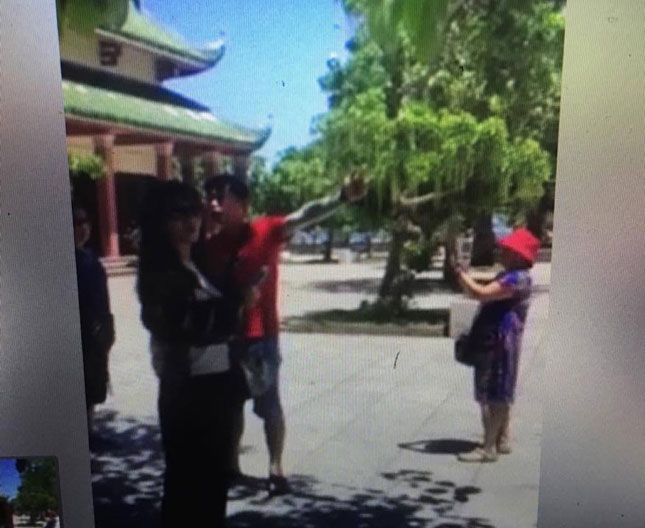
{"x":318,"y":210}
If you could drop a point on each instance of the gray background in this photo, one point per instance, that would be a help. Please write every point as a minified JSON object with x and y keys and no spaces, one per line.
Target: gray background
{"x":593,"y":458}
{"x":41,"y":379}
{"x":593,"y":449}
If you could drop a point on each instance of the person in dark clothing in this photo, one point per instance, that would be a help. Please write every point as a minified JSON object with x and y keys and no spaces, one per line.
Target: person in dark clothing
{"x":6,"y":514}
{"x":97,"y":326}
{"x":191,"y":320}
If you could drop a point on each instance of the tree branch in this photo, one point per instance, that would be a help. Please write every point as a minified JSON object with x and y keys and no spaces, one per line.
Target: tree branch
{"x":413,"y":203}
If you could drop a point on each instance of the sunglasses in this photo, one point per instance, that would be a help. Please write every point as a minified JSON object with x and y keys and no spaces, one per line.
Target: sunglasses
{"x":182,"y":212}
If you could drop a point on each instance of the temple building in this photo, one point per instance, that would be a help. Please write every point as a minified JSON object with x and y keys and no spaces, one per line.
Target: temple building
{"x":117,"y":108}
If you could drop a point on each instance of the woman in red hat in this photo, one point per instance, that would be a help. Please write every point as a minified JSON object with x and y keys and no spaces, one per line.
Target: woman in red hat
{"x":497,"y":335}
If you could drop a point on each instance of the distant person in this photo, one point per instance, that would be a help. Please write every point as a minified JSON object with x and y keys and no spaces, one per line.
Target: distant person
{"x":496,"y":336}
{"x":255,"y":247}
{"x":97,"y":324}
{"x":6,"y":514}
{"x":52,"y":521}
{"x":191,"y":321}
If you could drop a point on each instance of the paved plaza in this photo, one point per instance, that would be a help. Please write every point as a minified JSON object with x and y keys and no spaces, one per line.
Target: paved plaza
{"x":374,"y":423}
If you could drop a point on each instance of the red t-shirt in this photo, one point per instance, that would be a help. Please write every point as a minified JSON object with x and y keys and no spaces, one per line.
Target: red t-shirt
{"x":261,"y":247}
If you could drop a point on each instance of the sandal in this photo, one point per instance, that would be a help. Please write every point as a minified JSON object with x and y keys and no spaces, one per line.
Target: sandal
{"x":477,"y":455}
{"x":278,"y":485}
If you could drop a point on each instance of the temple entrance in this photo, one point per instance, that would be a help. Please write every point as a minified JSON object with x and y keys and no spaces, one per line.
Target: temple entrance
{"x":130,"y":191}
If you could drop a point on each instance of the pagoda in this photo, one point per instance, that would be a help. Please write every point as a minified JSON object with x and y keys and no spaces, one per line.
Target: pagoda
{"x":116,"y":107}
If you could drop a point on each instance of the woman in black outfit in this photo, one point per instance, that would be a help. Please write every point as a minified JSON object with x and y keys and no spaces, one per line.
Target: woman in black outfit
{"x":190,"y":321}
{"x":97,"y":324}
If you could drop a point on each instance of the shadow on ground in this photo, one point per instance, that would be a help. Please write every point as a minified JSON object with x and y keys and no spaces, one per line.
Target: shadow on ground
{"x":443,"y":446}
{"x":371,"y":286}
{"x":409,"y":499}
{"x":315,"y":260}
{"x":127,"y":470}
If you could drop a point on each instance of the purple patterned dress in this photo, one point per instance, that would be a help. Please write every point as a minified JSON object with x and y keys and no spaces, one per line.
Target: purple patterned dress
{"x":497,"y":332}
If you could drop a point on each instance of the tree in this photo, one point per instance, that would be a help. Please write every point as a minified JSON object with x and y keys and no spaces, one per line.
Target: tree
{"x":423,"y":20}
{"x":90,"y":165}
{"x":504,"y":58}
{"x":83,"y":165}
{"x":298,"y":177}
{"x":429,"y":167}
{"x":489,"y":57}
{"x":37,"y":492}
{"x":448,"y":135}
{"x":497,"y":59}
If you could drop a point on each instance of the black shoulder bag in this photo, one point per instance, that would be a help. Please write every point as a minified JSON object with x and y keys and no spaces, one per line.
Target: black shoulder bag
{"x":466,"y":351}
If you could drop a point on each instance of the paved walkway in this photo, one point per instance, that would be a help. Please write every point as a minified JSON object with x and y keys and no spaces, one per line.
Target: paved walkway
{"x":374,"y":424}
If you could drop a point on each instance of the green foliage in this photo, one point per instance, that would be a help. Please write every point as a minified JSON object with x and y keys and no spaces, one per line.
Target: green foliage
{"x":504,"y":58}
{"x":364,"y":70}
{"x":84,"y":164}
{"x":83,"y":16}
{"x":529,"y":170}
{"x":417,"y":255}
{"x":37,"y":492}
{"x":299,"y":177}
{"x":424,"y":150}
{"x":461,"y":121}
{"x":423,"y":20}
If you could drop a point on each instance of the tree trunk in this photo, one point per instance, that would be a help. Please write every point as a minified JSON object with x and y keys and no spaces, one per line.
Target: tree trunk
{"x":483,"y":252}
{"x":535,"y":221}
{"x":449,"y":275}
{"x":329,"y":245}
{"x":393,"y":266}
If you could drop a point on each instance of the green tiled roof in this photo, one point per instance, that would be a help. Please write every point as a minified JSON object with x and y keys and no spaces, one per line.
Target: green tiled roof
{"x":140,"y":28}
{"x":90,"y":102}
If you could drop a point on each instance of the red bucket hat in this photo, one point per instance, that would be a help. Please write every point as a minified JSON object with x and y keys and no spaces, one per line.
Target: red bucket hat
{"x":522,"y":242}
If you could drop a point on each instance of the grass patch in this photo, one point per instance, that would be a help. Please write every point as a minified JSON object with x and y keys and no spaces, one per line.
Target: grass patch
{"x":368,"y":321}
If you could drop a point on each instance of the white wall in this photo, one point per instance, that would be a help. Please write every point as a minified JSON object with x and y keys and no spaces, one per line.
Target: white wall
{"x":132,"y":63}
{"x":137,"y":160}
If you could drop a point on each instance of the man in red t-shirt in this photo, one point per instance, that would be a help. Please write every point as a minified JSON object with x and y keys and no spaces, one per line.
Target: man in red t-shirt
{"x":255,"y":247}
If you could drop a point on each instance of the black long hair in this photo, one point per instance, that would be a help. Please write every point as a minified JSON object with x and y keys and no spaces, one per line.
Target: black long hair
{"x":156,"y":252}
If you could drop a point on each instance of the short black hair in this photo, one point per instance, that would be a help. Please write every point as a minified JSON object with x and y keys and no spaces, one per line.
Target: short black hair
{"x":236,"y":185}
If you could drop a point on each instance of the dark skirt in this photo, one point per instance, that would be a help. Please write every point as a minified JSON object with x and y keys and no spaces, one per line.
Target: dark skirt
{"x":197,"y":416}
{"x":496,"y":377}
{"x":97,"y":377}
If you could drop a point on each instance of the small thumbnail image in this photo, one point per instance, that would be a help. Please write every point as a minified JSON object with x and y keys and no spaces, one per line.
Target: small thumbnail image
{"x":29,"y":496}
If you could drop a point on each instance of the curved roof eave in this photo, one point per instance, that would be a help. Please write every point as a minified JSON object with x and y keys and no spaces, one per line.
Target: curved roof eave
{"x":122,"y":109}
{"x":141,"y":31}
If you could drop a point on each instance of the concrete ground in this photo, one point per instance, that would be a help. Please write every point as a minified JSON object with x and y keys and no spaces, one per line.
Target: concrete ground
{"x":374,"y":423}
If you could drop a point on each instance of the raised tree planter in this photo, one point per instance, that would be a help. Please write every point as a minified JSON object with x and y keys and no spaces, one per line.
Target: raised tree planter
{"x":413,"y":322}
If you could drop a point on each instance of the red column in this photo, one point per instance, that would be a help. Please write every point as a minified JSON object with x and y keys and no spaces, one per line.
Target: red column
{"x":108,"y":223}
{"x":164,"y":160}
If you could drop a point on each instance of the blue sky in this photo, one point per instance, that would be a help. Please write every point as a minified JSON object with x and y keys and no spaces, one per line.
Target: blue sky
{"x":9,"y":477}
{"x":275,"y":52}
